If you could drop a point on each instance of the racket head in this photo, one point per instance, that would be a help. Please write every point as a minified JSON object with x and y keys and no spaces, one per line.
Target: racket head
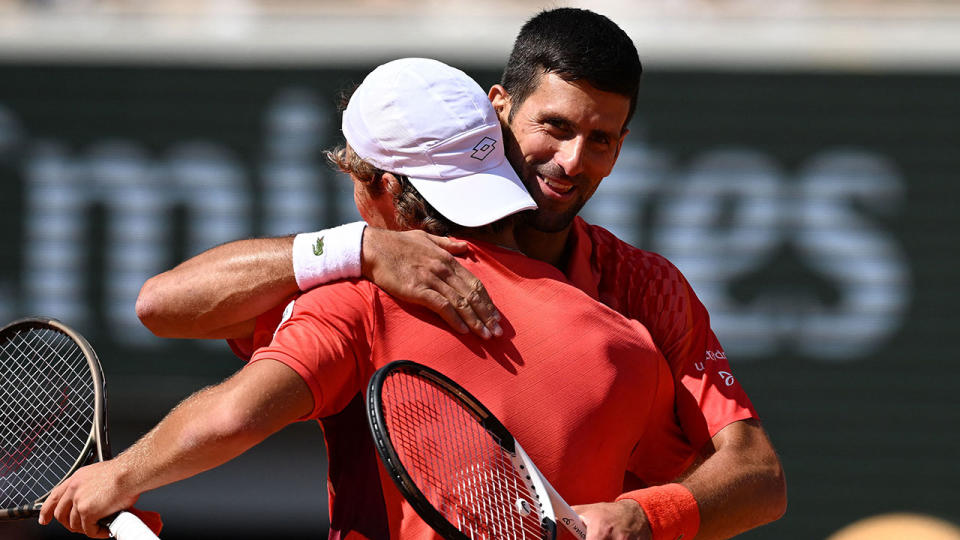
{"x":52,"y":411}
{"x":451,"y":458}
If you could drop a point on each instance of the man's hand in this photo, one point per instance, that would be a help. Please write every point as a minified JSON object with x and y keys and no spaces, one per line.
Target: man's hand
{"x":89,"y":495}
{"x":621,"y":520}
{"x":420,"y":268}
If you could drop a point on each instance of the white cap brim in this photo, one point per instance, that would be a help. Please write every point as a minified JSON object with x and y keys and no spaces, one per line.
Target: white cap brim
{"x":477,"y":199}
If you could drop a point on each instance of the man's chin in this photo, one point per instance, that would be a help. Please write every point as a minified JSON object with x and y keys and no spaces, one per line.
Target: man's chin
{"x":548,"y":222}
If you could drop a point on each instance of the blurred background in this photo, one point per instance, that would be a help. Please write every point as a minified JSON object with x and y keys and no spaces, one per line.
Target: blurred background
{"x":797,"y":159}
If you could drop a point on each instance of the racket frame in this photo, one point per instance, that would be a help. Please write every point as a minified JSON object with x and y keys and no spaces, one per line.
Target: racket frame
{"x":97,"y":440}
{"x":123,"y":525}
{"x":546,"y":497}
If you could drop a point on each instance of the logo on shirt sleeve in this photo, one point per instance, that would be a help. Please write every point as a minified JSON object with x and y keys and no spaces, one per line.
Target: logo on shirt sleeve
{"x":713,"y":356}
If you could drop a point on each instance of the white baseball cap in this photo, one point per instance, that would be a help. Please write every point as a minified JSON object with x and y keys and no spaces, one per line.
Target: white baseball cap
{"x":434,"y":124}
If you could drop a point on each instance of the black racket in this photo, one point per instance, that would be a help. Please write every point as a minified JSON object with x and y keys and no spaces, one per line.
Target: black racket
{"x":52,"y":417}
{"x":455,"y":463}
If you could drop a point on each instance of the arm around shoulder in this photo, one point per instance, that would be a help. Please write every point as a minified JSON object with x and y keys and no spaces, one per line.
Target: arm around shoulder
{"x":214,"y":293}
{"x":220,"y":292}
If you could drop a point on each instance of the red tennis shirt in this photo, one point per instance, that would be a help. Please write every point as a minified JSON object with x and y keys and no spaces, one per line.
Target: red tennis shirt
{"x":582,"y":388}
{"x":646,"y":287}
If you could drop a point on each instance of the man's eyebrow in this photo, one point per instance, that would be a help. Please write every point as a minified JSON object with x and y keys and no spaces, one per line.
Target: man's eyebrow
{"x":549,"y":116}
{"x":605,"y":134}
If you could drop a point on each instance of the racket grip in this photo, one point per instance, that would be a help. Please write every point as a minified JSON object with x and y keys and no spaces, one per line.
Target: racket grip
{"x":561,"y":510}
{"x":565,"y":515}
{"x":19,"y":512}
{"x":127,"y":526}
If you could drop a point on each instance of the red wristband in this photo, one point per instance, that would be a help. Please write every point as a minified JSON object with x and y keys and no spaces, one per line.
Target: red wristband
{"x":671,"y":510}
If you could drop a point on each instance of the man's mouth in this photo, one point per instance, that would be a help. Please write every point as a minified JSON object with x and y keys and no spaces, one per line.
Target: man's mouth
{"x":557,"y":187}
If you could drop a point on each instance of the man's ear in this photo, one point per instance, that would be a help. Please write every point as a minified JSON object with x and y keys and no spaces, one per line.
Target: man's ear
{"x":391,"y":184}
{"x":500,"y":99}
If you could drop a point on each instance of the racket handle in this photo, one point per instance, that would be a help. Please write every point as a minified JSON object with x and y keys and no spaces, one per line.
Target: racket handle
{"x":127,"y":526}
{"x":561,"y":510}
{"x":19,"y":512}
{"x":565,"y":515}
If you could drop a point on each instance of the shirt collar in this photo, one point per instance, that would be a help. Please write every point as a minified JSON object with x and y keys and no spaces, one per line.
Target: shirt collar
{"x":582,"y":270}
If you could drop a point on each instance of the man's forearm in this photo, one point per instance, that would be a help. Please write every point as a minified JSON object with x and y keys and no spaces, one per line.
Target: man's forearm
{"x":219,"y":293}
{"x":193,"y":438}
{"x":215,"y":425}
{"x":741,"y":485}
{"x":213,"y":294}
{"x":209,"y":428}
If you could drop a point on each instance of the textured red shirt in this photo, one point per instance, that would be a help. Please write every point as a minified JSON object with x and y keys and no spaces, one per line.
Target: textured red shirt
{"x":581,"y":387}
{"x":646,"y":287}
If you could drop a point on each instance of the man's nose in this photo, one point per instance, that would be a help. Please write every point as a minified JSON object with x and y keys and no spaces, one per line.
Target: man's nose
{"x":570,"y":156}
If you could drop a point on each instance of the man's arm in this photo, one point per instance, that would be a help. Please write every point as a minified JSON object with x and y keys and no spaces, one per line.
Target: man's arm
{"x":214,"y":294}
{"x":218,"y":293}
{"x":738,"y":485}
{"x":207,"y":429}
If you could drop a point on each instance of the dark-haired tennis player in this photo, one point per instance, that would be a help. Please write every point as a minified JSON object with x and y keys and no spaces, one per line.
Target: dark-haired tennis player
{"x":567,"y":94}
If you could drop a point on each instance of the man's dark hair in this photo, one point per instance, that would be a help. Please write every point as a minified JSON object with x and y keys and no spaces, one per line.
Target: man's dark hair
{"x":576,"y":44}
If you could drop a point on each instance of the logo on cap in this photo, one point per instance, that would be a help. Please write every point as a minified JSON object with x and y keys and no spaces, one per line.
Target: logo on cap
{"x":483,"y":148}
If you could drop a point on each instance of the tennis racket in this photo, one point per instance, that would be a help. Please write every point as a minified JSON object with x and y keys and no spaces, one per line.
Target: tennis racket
{"x":455,"y":463}
{"x":52,"y":417}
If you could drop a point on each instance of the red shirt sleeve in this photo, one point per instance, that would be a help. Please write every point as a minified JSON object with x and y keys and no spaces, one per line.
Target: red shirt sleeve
{"x":708,"y":397}
{"x":266,"y":325}
{"x":325,"y":337}
{"x":646,"y":287}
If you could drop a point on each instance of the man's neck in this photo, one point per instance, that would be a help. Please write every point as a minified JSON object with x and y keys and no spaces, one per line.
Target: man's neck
{"x":549,"y":247}
{"x":502,"y":236}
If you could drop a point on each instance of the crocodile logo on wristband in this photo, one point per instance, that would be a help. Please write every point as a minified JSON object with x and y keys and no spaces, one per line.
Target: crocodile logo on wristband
{"x":318,"y":247}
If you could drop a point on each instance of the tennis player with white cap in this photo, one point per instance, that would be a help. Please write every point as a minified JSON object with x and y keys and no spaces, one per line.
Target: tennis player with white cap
{"x":432,"y":123}
{"x":409,"y":172}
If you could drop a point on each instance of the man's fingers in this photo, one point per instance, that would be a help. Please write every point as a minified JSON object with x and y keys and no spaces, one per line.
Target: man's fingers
{"x":76,"y":520}
{"x":469,"y":296}
{"x":93,"y":529}
{"x":49,"y":505}
{"x":62,"y":509}
{"x":419,"y":267}
{"x":483,"y":306}
{"x":473,"y":303}
{"x":466,"y":301}
{"x":439,"y":304}
{"x":453,"y":246}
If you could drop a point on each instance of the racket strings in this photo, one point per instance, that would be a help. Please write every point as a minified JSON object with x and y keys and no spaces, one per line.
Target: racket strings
{"x":460,"y":467}
{"x":47,"y":411}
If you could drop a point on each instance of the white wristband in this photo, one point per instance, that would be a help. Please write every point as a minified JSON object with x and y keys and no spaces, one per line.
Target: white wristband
{"x":327,"y":255}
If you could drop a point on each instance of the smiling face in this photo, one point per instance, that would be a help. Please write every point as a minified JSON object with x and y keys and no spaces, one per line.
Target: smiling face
{"x":566,"y":137}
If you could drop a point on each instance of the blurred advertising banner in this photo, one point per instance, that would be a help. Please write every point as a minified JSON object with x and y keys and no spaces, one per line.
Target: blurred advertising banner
{"x":815,"y":215}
